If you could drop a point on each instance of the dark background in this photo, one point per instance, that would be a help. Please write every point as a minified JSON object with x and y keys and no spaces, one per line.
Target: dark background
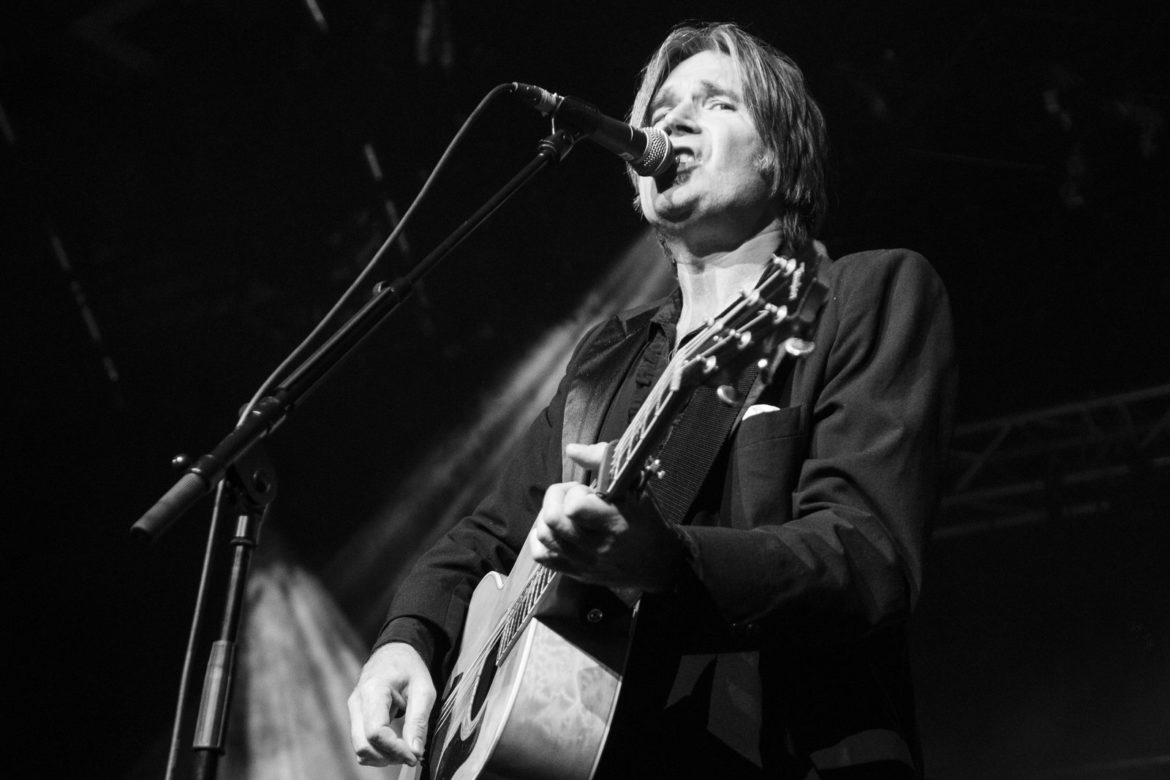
{"x":201,"y":166}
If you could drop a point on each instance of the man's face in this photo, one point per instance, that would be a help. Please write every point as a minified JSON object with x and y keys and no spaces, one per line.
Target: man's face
{"x":719,"y":186}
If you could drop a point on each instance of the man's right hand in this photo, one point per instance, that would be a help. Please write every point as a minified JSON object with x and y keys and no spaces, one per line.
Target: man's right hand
{"x":394,"y":680}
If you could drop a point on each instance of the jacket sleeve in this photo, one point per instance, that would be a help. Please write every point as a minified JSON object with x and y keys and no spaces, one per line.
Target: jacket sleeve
{"x":836,"y":551}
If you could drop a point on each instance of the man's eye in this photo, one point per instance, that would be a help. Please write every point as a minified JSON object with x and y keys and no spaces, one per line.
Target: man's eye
{"x":722,"y":105}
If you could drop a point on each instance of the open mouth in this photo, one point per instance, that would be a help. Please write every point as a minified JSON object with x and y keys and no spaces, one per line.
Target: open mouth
{"x":684,"y":164}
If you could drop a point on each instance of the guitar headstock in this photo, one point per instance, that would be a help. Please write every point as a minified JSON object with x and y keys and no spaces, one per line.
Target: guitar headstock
{"x":774,"y":320}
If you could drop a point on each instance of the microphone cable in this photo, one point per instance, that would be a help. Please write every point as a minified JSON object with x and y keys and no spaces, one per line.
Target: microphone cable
{"x":281,"y":370}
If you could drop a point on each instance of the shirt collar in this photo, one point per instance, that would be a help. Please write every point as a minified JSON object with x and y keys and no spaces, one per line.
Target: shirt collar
{"x":668,"y":313}
{"x":761,"y":246}
{"x":666,"y":310}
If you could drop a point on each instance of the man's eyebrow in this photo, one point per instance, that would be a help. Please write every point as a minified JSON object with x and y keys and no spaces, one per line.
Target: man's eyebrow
{"x":706,"y":88}
{"x":714,"y":88}
{"x":661,"y":98}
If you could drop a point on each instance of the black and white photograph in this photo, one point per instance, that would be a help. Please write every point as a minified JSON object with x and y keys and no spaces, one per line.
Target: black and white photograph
{"x":426,"y":390}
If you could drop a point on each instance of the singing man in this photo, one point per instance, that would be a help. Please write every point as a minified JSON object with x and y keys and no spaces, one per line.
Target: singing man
{"x":784,"y":587}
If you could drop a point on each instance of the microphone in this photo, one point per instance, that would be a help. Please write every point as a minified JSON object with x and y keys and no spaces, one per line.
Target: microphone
{"x":648,"y":151}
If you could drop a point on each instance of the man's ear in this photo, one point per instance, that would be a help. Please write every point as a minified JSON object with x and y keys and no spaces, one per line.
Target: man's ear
{"x":769,"y":172}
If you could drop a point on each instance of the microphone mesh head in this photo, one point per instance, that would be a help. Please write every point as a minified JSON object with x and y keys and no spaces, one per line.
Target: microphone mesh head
{"x":659,"y":154}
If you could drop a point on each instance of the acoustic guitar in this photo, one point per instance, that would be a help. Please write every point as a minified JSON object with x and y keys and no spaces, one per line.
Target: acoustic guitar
{"x":540,"y":665}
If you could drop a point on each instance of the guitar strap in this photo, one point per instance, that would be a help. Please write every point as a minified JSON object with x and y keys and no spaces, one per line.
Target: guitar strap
{"x":692,"y":446}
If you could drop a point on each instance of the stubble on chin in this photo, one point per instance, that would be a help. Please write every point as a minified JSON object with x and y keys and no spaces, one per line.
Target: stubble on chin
{"x":668,"y":200}
{"x":668,"y":215}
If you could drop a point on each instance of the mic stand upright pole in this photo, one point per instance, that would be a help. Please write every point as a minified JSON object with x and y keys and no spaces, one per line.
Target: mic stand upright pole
{"x":249,"y":503}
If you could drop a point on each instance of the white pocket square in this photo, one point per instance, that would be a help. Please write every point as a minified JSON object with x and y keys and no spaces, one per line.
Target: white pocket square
{"x":755,"y":409}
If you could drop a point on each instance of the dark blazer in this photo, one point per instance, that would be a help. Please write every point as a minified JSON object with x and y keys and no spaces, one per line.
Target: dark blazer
{"x":809,"y":559}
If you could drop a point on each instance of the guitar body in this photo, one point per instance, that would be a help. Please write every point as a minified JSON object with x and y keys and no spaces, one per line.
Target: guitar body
{"x":545,"y":710}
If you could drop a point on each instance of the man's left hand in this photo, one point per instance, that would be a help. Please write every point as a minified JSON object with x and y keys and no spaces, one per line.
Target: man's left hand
{"x":581,"y":535}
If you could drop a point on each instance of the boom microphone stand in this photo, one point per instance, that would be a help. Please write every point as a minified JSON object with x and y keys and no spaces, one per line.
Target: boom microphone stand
{"x":247,"y":483}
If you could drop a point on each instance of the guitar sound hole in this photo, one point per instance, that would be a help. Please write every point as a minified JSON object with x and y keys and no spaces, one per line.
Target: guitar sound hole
{"x":487,"y":673}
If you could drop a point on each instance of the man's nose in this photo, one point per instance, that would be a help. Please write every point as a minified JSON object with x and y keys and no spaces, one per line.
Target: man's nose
{"x":680,"y":119}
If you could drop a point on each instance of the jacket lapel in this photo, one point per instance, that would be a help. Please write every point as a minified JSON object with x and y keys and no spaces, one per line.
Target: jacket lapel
{"x":599,"y":370}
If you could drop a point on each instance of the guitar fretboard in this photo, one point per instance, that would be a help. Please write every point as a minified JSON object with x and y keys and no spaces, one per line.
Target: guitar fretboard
{"x":521,"y":609}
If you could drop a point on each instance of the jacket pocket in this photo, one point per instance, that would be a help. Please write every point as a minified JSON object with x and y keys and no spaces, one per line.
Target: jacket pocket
{"x":765,"y":464}
{"x":789,"y":421}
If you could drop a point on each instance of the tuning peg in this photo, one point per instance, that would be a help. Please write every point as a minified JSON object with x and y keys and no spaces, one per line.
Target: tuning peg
{"x":654,"y":469}
{"x":779,"y":313}
{"x":798,"y":347}
{"x":728,"y":395}
{"x":786,"y":264}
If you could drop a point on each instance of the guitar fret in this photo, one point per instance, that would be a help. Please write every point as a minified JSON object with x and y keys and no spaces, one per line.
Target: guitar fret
{"x":617,"y":460}
{"x":513,"y":624}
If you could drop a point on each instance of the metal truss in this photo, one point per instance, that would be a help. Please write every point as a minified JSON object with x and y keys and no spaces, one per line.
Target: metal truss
{"x":1075,"y":460}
